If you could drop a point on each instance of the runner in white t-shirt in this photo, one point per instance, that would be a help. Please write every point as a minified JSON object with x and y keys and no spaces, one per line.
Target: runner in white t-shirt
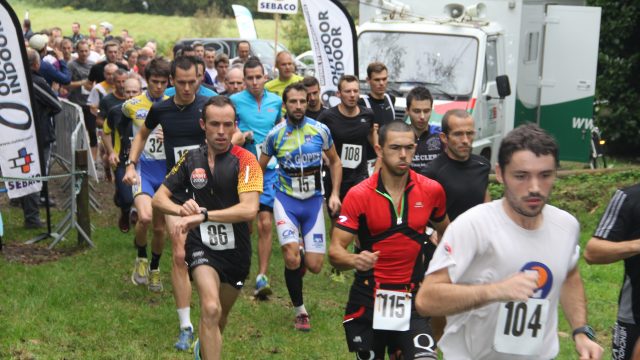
{"x":502,"y":267}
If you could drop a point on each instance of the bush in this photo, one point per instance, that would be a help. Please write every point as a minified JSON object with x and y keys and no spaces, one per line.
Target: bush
{"x":207,"y":23}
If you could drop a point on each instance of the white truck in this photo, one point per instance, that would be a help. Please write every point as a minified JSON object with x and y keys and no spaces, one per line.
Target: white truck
{"x":461,"y":52}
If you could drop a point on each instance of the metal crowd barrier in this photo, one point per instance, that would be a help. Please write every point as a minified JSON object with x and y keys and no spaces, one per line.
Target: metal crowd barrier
{"x":71,"y":135}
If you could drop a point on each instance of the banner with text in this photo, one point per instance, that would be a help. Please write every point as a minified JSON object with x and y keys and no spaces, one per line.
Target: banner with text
{"x":244,"y":20}
{"x":332,"y":34}
{"x":18,"y":144}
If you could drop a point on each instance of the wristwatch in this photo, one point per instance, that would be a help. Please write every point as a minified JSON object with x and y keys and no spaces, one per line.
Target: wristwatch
{"x":129,"y":161}
{"x":587,"y":330}
{"x":205,"y":213}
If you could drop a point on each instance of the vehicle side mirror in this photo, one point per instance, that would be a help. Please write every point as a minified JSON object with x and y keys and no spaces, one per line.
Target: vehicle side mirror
{"x":504,"y":88}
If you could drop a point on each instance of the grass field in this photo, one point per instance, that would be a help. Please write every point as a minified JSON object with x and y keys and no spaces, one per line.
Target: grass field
{"x":163,"y":29}
{"x":83,"y":306}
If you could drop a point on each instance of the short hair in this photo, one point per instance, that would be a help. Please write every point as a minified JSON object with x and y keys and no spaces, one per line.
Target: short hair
{"x":80,"y":43}
{"x":346,"y":78}
{"x":197,"y":44}
{"x":375,"y":67}
{"x":75,"y":23}
{"x":280,"y":53}
{"x":65,"y":40}
{"x":110,"y":43}
{"x":252,"y":63}
{"x":182,"y":62}
{"x":121,"y":72}
{"x":33,"y":57}
{"x":128,"y":53}
{"x":221,"y":58}
{"x":217,"y":101}
{"x":157,"y":67}
{"x":419,"y":93}
{"x":459,"y":113}
{"x":198,"y":60}
{"x":395,"y":125}
{"x":136,"y":78}
{"x":527,"y":137}
{"x":298,"y":86}
{"x":309,"y":81}
{"x":242,"y":42}
{"x":111,"y":66}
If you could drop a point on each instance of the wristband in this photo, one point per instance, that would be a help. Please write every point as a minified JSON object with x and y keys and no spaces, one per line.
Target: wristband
{"x":587,"y":330}
{"x":129,"y":161}
{"x":205,"y":213}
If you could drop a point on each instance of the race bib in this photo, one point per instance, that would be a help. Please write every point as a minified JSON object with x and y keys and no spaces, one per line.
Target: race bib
{"x":351,"y":156}
{"x":272,"y":162}
{"x":392,"y":310}
{"x":154,"y":147}
{"x":521,"y":326}
{"x":303,"y":187}
{"x":179,"y":151}
{"x":371,"y":165}
{"x":217,"y":236}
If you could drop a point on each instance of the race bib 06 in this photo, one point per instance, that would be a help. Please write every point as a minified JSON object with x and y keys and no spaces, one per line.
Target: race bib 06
{"x":217,"y":236}
{"x":521,"y":326}
{"x":351,"y":156}
{"x":154,"y":147}
{"x":392,"y":310}
{"x":179,"y":151}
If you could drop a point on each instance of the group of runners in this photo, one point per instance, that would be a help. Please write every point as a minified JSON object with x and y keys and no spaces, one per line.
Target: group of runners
{"x":207,"y":167}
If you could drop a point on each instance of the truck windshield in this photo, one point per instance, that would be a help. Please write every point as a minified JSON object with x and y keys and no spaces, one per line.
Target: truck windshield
{"x":445,"y":64}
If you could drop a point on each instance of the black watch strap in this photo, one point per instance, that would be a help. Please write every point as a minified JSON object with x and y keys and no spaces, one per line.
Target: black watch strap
{"x":204,"y":213}
{"x":587,"y":330}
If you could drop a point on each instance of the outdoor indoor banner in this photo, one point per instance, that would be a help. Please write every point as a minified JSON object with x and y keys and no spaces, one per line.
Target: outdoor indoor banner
{"x":244,"y":20}
{"x":18,"y":143}
{"x":332,"y":34}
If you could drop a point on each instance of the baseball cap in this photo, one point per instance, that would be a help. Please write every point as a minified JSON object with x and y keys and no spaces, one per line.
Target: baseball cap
{"x":106,"y":25}
{"x":38,"y":42}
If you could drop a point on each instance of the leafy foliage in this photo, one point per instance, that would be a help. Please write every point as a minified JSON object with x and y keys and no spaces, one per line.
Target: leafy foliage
{"x":618,"y":73}
{"x":295,"y":32}
{"x":207,"y":23}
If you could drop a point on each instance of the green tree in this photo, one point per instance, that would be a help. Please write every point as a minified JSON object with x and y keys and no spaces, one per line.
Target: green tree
{"x":618,"y":74}
{"x":295,"y":31}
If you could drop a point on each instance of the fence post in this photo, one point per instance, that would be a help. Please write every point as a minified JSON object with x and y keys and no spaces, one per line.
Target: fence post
{"x":82,"y":199}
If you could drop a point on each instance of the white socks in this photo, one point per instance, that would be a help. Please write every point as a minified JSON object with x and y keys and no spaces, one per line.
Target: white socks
{"x":184,"y":314}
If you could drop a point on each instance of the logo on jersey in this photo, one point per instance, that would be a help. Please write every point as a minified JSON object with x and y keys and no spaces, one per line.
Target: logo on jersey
{"x":342,"y":218}
{"x":280,"y":222}
{"x":317,"y":238}
{"x":307,"y":138}
{"x":418,"y":204}
{"x":198,"y":178}
{"x":433,"y":144}
{"x":448,"y":248}
{"x":545,"y":278}
{"x":287,"y":234}
{"x":134,"y":101}
{"x":363,"y":120}
{"x":142,"y":114}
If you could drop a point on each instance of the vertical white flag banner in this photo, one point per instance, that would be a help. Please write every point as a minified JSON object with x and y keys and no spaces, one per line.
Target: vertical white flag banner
{"x":244,"y":20}
{"x":18,"y":143}
{"x":332,"y":34}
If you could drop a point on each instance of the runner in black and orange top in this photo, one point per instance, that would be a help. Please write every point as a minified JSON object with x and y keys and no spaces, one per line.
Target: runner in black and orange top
{"x":386,"y":215}
{"x":223,"y":183}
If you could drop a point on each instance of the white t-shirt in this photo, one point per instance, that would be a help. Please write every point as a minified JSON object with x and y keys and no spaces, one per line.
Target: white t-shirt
{"x":96,"y":94}
{"x":483,"y":246}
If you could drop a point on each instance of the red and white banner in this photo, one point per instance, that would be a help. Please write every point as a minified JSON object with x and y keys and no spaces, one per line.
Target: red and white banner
{"x":18,"y":143}
{"x":333,"y":37}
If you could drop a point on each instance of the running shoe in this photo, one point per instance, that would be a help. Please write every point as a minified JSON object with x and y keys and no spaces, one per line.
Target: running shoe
{"x":123,"y":222}
{"x":140,"y":275}
{"x":337,"y":275}
{"x":185,"y":338}
{"x":196,"y":349}
{"x":302,"y":322}
{"x":155,"y":282}
{"x":263,"y":289}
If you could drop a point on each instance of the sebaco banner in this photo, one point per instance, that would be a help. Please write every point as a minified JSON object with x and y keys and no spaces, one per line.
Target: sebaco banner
{"x":19,"y":155}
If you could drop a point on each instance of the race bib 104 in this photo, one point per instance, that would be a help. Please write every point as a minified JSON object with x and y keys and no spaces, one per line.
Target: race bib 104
{"x":351,"y":156}
{"x":521,"y":326}
{"x":217,"y":236}
{"x":392,"y":310}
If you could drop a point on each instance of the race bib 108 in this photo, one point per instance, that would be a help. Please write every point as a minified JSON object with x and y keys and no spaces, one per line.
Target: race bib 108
{"x":351,"y":156}
{"x":179,"y":151}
